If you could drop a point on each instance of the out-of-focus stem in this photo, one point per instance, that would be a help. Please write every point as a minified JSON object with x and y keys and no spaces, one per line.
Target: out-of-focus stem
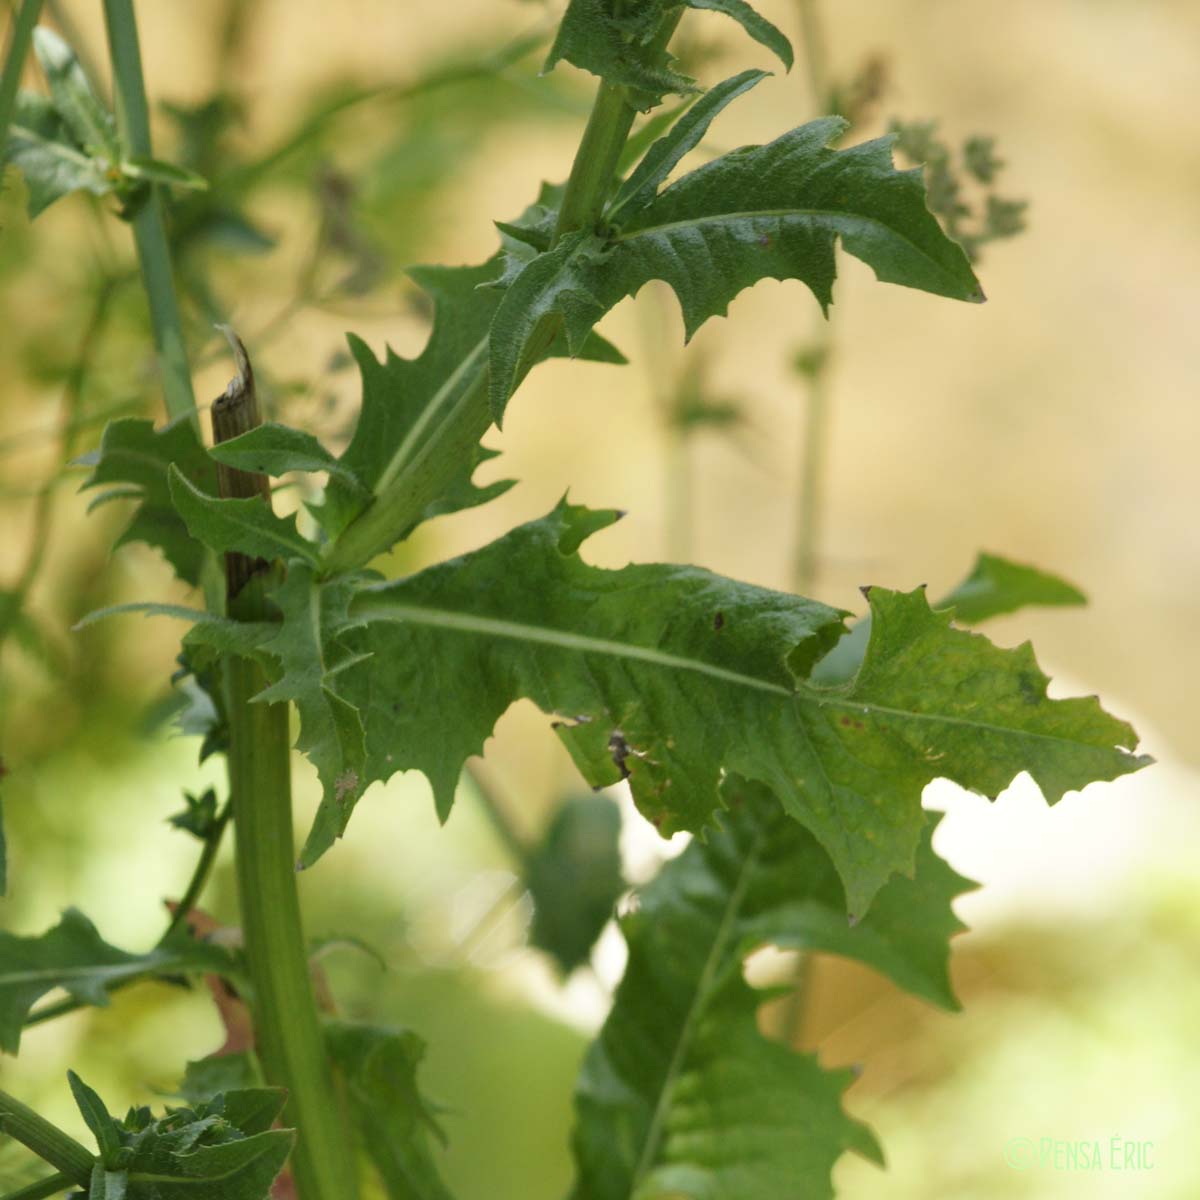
{"x":149,"y":226}
{"x":812,"y":455}
{"x":18,"y":50}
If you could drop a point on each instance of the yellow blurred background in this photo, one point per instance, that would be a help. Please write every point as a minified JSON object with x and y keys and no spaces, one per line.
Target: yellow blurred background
{"x":1057,"y":425}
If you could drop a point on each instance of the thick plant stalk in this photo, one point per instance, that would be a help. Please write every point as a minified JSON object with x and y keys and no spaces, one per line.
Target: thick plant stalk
{"x":287,"y":1030}
{"x":149,"y":227}
{"x":47,"y":1141}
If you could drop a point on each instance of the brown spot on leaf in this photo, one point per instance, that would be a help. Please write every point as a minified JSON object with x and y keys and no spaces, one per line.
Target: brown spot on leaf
{"x":719,"y":621}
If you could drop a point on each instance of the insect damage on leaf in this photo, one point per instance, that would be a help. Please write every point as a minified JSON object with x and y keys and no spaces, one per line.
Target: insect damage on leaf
{"x":672,"y":703}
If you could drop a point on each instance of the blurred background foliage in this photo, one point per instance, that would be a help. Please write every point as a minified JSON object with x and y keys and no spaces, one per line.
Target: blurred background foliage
{"x":1057,"y":425}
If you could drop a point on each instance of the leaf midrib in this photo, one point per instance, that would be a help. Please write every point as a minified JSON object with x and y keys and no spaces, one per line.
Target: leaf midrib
{"x":60,"y":148}
{"x":135,"y":966}
{"x":405,"y":451}
{"x":516,"y":631}
{"x":712,"y":964}
{"x":749,"y":214}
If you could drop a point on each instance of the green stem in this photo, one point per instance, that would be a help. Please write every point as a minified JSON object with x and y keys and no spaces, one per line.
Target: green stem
{"x":287,"y":1030}
{"x":149,"y":224}
{"x":813,"y":434}
{"x":52,"y":1185}
{"x":403,"y":495}
{"x":595,"y":165}
{"x":47,"y":1141}
{"x":208,"y":855}
{"x":195,"y":886}
{"x":814,"y":437}
{"x":812,"y":455}
{"x":816,"y":57}
{"x":18,"y":50}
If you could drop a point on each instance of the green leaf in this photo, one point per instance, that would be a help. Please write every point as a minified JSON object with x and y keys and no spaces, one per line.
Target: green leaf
{"x":417,"y":438}
{"x":672,"y":676}
{"x":684,"y":135}
{"x":627,"y":655}
{"x":207,"y":1077}
{"x":648,"y":132}
{"x":40,"y":146}
{"x":95,"y":1115}
{"x":574,"y":878}
{"x":108,"y":1185}
{"x":759,"y":28}
{"x":151,"y":170}
{"x":406,"y":402}
{"x":392,"y":1119}
{"x":74,"y":957}
{"x":254,"y":1109}
{"x":797,"y":901}
{"x":221,"y":1149}
{"x":200,"y":815}
{"x":931,"y":701}
{"x":133,"y":459}
{"x":247,"y":526}
{"x":311,"y":652}
{"x":275,"y":450}
{"x":221,"y":634}
{"x":619,"y":42}
{"x":770,"y":211}
{"x":601,"y":37}
{"x":238,"y":1169}
{"x":680,"y":1095}
{"x":995,"y":587}
{"x":92,"y":127}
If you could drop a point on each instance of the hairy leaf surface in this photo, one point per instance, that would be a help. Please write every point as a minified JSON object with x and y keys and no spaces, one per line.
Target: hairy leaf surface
{"x":73,"y":956}
{"x":311,"y":652}
{"x":405,"y":401}
{"x":273,"y":449}
{"x":245,"y":526}
{"x":771,"y":211}
{"x":618,"y":41}
{"x":671,"y":676}
{"x":248,"y":526}
{"x":421,"y":419}
{"x":629,"y":658}
{"x":219,"y":1149}
{"x":680,"y":1095}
